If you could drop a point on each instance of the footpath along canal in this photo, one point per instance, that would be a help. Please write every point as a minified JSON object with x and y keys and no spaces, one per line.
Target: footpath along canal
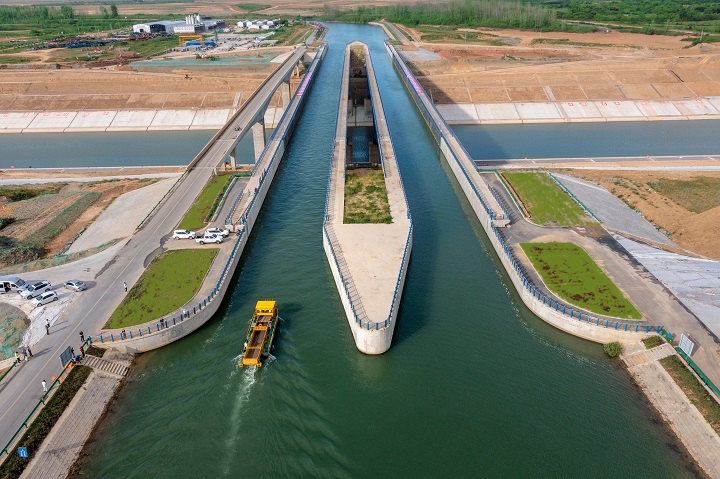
{"x":474,"y":385}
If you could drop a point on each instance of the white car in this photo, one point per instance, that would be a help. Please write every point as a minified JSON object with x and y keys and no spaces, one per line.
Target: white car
{"x":209,"y":239}
{"x":183,"y":234}
{"x":217,"y":231}
{"x":75,"y":285}
{"x":35,"y":289}
{"x":45,"y":298}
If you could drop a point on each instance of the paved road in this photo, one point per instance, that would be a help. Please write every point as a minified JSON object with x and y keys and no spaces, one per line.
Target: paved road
{"x":20,"y":391}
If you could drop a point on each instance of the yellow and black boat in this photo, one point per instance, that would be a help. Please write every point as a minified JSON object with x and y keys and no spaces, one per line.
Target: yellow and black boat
{"x":260,"y":334}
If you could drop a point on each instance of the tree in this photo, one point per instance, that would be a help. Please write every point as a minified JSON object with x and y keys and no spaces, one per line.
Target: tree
{"x":113,"y":11}
{"x":67,"y":11}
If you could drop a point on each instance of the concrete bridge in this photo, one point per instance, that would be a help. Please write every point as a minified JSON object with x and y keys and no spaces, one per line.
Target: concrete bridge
{"x":251,"y":116}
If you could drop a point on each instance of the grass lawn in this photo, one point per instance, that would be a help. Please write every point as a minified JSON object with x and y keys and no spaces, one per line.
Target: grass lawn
{"x":171,"y":280}
{"x":696,"y":195}
{"x":366,"y":197}
{"x":545,"y":201}
{"x":695,"y":391}
{"x":14,"y":465}
{"x":153,"y":46}
{"x":204,"y":205}
{"x":571,"y":274}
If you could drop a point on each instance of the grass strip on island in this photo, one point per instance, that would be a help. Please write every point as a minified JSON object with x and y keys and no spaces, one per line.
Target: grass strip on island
{"x":366,"y":198}
{"x":696,"y":392}
{"x":169,"y":282}
{"x":546,"y":203}
{"x":571,"y":273}
{"x":14,"y":465}
{"x":202,"y":209}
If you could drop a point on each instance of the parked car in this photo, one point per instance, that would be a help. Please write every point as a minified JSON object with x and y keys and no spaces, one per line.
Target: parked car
{"x":217,"y":231}
{"x":184,"y":234}
{"x":44,"y":298}
{"x":12,"y":284}
{"x":209,"y":238}
{"x":75,"y":285}
{"x":35,"y":289}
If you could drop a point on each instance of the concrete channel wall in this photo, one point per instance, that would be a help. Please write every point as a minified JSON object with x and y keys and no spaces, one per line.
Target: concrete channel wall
{"x":488,"y":210}
{"x":86,"y":121}
{"x":163,"y":331}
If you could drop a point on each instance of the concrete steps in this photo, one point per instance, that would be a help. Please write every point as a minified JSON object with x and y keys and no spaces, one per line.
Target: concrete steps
{"x":648,"y":355}
{"x":106,"y":366}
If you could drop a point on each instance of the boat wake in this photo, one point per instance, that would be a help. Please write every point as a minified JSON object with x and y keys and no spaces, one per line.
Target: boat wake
{"x":248,"y":378}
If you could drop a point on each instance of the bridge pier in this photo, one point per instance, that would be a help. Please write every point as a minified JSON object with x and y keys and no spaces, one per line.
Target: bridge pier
{"x":233,"y":158}
{"x":258,"y":132}
{"x":285,"y":93}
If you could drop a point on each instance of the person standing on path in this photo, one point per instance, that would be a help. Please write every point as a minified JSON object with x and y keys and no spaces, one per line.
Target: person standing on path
{"x":47,"y":326}
{"x":24,"y":354}
{"x":82,"y":337}
{"x":17,"y":357}
{"x":29,"y":351}
{"x":44,"y":385}
{"x":125,"y":286}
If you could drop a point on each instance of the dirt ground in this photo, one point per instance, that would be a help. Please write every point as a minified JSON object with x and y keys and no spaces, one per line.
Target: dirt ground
{"x":100,"y":89}
{"x":38,"y":211}
{"x":9,"y":174}
{"x":534,"y":66}
{"x":696,"y":232}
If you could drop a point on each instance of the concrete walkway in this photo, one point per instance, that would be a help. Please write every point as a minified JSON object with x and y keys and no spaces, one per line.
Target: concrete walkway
{"x":689,"y":425}
{"x":63,"y":445}
{"x":120,"y":219}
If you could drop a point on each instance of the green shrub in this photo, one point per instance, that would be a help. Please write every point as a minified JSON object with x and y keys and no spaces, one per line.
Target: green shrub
{"x":613,"y":349}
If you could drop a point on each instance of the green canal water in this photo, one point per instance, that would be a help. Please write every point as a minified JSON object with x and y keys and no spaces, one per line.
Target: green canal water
{"x":473,"y":386}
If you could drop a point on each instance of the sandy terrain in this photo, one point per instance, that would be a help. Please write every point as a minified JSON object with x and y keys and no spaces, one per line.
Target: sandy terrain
{"x":94,"y":89}
{"x":533,"y":66}
{"x":696,"y":232}
{"x":85,"y":173}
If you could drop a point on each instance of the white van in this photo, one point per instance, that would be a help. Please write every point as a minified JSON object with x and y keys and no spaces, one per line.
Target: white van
{"x":12,"y":284}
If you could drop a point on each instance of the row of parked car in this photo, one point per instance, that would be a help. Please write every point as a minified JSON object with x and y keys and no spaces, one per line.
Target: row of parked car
{"x":39,"y":292}
{"x":211,"y":235}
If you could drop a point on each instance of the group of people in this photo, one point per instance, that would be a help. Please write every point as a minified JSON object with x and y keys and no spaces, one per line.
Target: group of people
{"x":26,"y":352}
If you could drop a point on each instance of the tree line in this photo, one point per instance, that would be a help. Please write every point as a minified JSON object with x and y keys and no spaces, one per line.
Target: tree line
{"x":42,"y":14}
{"x":468,"y":13}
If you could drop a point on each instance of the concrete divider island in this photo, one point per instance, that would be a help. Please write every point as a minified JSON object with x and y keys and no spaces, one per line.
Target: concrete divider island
{"x":493,"y":217}
{"x":162,"y":331}
{"x":369,"y":260}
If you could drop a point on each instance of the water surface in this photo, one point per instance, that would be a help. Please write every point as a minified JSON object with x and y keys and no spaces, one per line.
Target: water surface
{"x":473,"y":386}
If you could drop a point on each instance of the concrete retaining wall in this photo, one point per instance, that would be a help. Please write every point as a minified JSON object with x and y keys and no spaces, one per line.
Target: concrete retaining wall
{"x":579,"y":324}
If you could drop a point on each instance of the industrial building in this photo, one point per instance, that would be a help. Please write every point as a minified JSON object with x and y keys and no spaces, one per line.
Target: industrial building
{"x":193,"y":24}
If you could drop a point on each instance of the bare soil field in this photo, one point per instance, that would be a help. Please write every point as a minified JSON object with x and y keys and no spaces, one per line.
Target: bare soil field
{"x":696,"y":232}
{"x":9,"y":174}
{"x":104,"y":89}
{"x":534,"y":66}
{"x":32,"y":215}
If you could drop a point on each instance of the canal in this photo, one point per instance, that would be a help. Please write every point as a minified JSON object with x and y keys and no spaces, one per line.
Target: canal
{"x":473,"y":386}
